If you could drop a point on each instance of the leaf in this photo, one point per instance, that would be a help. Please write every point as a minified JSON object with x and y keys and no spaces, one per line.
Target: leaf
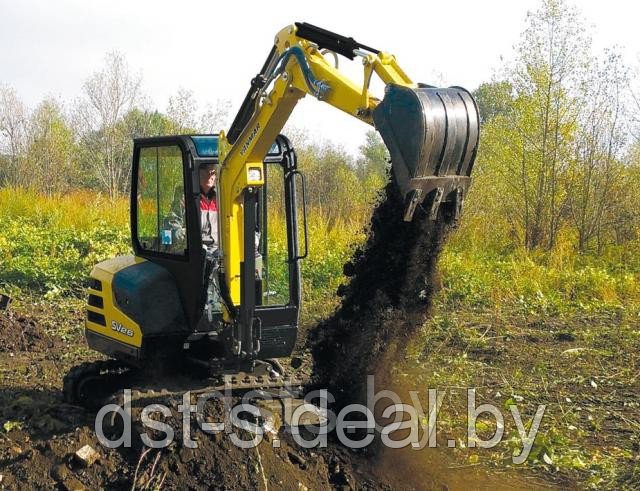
{"x":12,"y":425}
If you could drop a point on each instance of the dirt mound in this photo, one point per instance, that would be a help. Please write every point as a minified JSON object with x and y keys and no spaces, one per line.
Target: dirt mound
{"x":44,"y":455}
{"x":22,"y":333}
{"x":386,"y":301}
{"x":219,"y":461}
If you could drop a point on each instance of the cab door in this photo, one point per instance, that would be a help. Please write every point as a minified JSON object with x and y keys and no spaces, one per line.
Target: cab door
{"x":164,"y":221}
{"x":278,"y":298}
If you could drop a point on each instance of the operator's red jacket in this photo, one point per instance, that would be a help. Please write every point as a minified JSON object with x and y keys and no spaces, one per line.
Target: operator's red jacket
{"x":209,"y":219}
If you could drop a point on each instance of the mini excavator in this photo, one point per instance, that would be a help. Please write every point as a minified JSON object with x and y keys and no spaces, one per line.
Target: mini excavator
{"x":236,"y":310}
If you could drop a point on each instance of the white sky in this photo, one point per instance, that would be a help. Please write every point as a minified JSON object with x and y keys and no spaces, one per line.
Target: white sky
{"x":215,"y":48}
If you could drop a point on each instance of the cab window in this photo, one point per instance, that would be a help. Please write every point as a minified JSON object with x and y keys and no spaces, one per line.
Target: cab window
{"x":161,"y":219}
{"x":273,"y":239}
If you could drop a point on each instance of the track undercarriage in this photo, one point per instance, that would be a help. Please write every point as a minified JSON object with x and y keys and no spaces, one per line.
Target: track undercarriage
{"x":91,"y":384}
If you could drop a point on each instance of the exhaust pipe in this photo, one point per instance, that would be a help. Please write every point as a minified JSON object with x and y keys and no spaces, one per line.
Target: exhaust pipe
{"x":432,"y":137}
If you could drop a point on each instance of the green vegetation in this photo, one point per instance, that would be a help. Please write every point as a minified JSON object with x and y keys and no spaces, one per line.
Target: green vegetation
{"x":539,"y":287}
{"x":49,"y":245}
{"x":572,"y":364}
{"x":537,"y":282}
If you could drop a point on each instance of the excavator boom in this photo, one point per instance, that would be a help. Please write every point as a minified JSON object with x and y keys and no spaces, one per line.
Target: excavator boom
{"x":431,"y":133}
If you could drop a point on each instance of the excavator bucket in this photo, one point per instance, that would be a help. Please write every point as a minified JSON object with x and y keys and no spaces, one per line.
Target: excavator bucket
{"x":432,"y":136}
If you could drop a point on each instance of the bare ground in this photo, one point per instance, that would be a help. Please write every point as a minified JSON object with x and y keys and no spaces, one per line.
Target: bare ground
{"x":590,"y":433}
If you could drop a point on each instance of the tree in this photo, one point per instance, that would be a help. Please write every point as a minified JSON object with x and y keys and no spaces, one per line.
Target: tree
{"x":334,"y":189}
{"x":527,"y":137}
{"x":138,"y":123}
{"x":493,"y":98}
{"x":595,"y":196}
{"x":108,"y":96}
{"x":51,"y":149}
{"x":14,"y":127}
{"x":634,"y":103}
{"x":374,"y":157}
{"x":182,"y":110}
{"x":214,"y":118}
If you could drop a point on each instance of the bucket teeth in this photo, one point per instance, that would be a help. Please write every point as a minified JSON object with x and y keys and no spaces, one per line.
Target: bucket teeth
{"x":432,"y":137}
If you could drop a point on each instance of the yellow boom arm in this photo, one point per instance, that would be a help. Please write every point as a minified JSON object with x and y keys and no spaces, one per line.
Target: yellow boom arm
{"x":439,"y":142}
{"x":242,"y":162}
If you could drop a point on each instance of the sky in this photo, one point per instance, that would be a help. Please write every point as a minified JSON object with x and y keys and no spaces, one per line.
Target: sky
{"x":49,"y":48}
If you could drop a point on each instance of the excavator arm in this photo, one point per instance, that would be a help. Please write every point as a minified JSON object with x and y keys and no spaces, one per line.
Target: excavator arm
{"x":431,"y":135}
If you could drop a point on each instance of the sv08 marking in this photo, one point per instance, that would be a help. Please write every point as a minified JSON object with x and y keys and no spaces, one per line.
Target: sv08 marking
{"x":115,"y":326}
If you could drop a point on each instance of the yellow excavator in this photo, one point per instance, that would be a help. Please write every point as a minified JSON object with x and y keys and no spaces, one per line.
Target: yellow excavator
{"x":235,"y":310}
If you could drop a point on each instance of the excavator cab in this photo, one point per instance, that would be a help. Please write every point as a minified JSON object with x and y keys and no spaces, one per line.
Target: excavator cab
{"x":154,"y":302}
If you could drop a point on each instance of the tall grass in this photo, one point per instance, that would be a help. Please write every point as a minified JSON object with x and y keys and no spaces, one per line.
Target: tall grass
{"x":77,"y":210}
{"x":475,"y":275}
{"x":49,"y":245}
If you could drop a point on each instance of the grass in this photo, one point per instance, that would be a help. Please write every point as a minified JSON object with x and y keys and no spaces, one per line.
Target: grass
{"x":49,"y":245}
{"x":556,"y":328}
{"x":583,"y":368}
{"x":550,"y":283}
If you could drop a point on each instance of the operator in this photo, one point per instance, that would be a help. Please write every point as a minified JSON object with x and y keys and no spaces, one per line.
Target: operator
{"x":208,"y":210}
{"x":208,"y":215}
{"x":208,"y":206}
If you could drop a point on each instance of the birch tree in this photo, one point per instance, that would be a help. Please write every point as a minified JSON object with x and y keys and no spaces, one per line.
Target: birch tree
{"x":51,"y":150}
{"x":596,"y":190}
{"x":14,"y":128}
{"x":109,"y":95}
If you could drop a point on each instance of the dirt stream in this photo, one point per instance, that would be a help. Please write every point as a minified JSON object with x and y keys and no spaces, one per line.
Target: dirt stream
{"x":385,"y":302}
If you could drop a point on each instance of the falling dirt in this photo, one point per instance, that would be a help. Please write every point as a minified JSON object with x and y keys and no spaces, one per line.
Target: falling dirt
{"x":384,"y":304}
{"x":388,"y":300}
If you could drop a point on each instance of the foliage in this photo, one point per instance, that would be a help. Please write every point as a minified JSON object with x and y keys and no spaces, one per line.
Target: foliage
{"x":49,"y":245}
{"x":108,"y":96}
{"x":552,"y":155}
{"x":51,"y":154}
{"x":13,"y":137}
{"x":542,"y":283}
